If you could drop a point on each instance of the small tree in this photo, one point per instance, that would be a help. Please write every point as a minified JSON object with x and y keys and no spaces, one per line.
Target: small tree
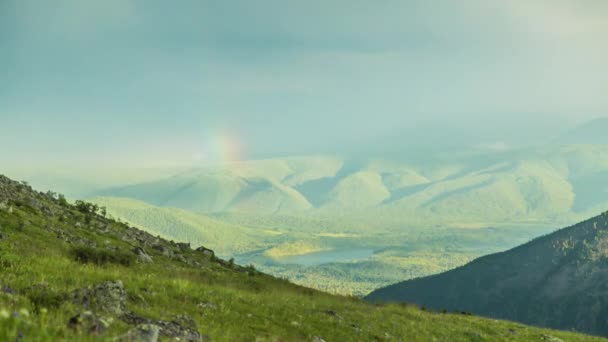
{"x":62,"y":201}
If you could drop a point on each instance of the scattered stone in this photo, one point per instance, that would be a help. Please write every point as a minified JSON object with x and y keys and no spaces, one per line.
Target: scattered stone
{"x":317,"y":339}
{"x":89,"y":323}
{"x":181,"y":328}
{"x":207,"y":306}
{"x":108,"y":297}
{"x":141,"y":333}
{"x":333,"y":314}
{"x":185,"y":321}
{"x":474,"y":335}
{"x":142,"y":256}
{"x":550,"y":338}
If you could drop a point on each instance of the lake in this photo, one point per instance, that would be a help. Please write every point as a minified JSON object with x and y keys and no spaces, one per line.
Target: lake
{"x":326,"y":257}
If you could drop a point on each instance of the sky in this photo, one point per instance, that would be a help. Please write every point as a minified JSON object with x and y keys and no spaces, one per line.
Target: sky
{"x":150,"y":81}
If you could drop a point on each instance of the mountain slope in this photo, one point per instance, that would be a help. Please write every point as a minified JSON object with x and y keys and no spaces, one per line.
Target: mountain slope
{"x":559,"y":280}
{"x":69,"y":274}
{"x":182,"y":225}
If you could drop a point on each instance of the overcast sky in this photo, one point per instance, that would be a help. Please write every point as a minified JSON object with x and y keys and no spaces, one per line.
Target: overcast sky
{"x":143,"y":80}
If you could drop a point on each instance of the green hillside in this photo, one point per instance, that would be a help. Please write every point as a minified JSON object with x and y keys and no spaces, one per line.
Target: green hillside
{"x":558,"y":281}
{"x":69,"y":274}
{"x":182,"y":225}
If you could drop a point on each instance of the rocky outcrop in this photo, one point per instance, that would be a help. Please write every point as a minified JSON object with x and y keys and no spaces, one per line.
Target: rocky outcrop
{"x":105,"y":298}
{"x":104,"y":302}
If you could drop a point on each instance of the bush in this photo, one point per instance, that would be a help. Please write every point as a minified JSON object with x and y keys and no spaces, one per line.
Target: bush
{"x":44,"y":298}
{"x":251,"y":271}
{"x":101,"y":256}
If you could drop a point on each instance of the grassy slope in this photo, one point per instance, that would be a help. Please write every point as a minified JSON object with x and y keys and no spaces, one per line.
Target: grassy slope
{"x":181,"y":225}
{"x":38,"y":271}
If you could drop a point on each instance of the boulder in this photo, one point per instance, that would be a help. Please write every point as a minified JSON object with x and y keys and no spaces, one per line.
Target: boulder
{"x":206,"y":251}
{"x":184,"y":246}
{"x":106,"y":298}
{"x":90,"y":323}
{"x":142,"y":256}
{"x":164,"y":250}
{"x":141,"y":333}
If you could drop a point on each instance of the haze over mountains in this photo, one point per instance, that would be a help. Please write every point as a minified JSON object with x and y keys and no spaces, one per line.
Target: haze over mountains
{"x":541,"y":185}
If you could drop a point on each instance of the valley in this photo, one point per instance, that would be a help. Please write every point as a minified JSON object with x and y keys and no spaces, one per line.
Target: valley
{"x":323,"y":253}
{"x":352,"y":226}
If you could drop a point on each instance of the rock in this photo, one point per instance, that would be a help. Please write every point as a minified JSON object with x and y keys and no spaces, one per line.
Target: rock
{"x":550,"y":338}
{"x":175,"y":331}
{"x":181,"y":258}
{"x":183,"y":246}
{"x":333,"y":314}
{"x":317,"y":339}
{"x":185,"y":321}
{"x":141,"y":333}
{"x":181,"y":328}
{"x":164,"y":250}
{"x":206,"y":306}
{"x":142,"y":256}
{"x":107,"y":298}
{"x":89,"y":323}
{"x":206,"y":251}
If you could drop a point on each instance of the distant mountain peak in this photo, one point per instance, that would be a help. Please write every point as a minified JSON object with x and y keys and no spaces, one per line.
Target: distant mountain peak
{"x":594,"y":131}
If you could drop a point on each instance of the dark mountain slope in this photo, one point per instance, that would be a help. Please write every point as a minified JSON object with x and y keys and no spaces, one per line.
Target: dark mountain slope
{"x":559,"y":280}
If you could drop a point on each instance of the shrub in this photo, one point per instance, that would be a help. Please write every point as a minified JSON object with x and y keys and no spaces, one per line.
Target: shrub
{"x":45,"y":298}
{"x":101,"y":256}
{"x":62,"y":201}
{"x":251,"y":271}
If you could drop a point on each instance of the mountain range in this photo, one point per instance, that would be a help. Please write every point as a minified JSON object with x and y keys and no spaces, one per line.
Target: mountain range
{"x":478,"y":189}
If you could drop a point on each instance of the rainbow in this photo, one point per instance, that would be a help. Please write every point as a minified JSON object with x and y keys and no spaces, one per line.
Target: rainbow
{"x":221,"y":147}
